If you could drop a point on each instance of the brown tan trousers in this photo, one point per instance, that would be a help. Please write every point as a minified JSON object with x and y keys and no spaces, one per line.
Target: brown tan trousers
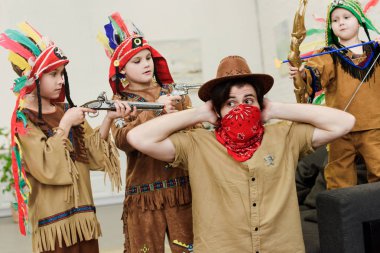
{"x":145,"y":230}
{"x":341,"y":169}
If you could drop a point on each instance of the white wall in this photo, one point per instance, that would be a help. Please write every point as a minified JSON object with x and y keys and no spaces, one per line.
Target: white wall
{"x":223,"y":27}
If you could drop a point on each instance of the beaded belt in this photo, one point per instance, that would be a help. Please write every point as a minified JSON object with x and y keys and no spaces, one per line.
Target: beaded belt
{"x":66,"y":214}
{"x":170,"y":183}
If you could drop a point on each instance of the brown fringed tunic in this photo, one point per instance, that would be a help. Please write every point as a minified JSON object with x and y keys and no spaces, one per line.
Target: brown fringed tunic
{"x":152,"y":185}
{"x":61,"y":206}
{"x":339,"y":74}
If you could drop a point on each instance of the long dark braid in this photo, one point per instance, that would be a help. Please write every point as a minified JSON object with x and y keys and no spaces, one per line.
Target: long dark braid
{"x":67,"y":89}
{"x":117,"y":81}
{"x":39,"y":99}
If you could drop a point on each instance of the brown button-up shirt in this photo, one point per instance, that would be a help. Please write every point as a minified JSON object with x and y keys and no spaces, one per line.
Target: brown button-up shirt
{"x":250,"y":206}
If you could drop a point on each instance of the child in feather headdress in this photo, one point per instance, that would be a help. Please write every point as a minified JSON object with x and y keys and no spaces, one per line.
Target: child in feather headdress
{"x":339,"y":74}
{"x":158,"y":197}
{"x":54,"y":148}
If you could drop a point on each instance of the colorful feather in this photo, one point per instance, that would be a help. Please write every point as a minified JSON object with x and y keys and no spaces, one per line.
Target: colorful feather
{"x":118,"y":30}
{"x":17,"y":168}
{"x":110,"y":35}
{"x":19,"y":84}
{"x":369,"y":5}
{"x":20,"y":62}
{"x":104,"y":40}
{"x":132,"y":29}
{"x":33,"y":34}
{"x":319,"y":19}
{"x":313,"y":31}
{"x":120,"y":22}
{"x":21,"y":38}
{"x":11,"y":45}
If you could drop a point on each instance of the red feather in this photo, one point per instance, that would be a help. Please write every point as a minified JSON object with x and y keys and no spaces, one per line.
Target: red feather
{"x":119,"y":20}
{"x":13,"y":46}
{"x":370,"y":4}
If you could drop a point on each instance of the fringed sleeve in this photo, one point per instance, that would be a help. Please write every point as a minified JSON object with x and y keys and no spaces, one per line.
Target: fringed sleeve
{"x":47,"y":159}
{"x":103,"y":155}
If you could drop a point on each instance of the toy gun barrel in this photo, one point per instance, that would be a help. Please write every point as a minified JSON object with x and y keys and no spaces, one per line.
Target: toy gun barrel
{"x":109,"y":105}
{"x":183,"y":88}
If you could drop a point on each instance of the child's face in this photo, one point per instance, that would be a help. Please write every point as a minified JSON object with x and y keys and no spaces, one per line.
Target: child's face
{"x":51,"y":83}
{"x":245,"y":94}
{"x":344,"y":24}
{"x":140,"y":68}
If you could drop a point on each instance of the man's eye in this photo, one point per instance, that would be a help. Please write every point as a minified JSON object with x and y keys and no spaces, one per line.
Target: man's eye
{"x":231,"y":103}
{"x":248,"y":101}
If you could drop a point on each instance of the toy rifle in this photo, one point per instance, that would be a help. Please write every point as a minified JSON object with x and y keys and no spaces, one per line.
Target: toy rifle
{"x":102,"y":103}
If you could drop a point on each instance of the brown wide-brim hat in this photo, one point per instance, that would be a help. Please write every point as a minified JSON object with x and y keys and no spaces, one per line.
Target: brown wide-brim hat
{"x":235,"y":68}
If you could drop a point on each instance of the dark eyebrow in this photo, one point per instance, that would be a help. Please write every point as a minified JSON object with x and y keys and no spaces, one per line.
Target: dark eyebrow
{"x":136,"y":58}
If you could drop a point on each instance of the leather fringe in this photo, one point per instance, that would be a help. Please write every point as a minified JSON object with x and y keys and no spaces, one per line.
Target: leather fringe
{"x":158,"y":199}
{"x":358,"y":72}
{"x":69,"y":231}
{"x":111,"y":162}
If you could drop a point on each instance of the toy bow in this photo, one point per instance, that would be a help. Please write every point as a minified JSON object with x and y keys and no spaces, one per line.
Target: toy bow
{"x":298,"y":35}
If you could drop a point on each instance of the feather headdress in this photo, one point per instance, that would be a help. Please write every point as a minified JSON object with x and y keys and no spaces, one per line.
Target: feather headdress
{"x":31,"y":55}
{"x":355,"y":8}
{"x":121,"y":41}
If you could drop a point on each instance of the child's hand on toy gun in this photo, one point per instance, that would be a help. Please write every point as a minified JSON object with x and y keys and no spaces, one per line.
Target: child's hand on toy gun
{"x":122,"y":110}
{"x":169,"y":102}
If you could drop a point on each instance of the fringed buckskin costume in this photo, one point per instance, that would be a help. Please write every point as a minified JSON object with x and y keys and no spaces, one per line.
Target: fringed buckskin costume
{"x":52,"y":172}
{"x":339,"y":74}
{"x":157,"y":196}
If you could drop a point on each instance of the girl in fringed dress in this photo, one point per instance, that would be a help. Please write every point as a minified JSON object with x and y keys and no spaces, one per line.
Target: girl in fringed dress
{"x":54,"y":148}
{"x":157,"y":196}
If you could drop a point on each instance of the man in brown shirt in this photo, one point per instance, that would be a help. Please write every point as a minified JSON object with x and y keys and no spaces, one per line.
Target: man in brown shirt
{"x":242,"y":174}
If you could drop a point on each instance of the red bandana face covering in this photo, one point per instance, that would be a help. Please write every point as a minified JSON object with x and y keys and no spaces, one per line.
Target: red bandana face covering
{"x":241,"y":132}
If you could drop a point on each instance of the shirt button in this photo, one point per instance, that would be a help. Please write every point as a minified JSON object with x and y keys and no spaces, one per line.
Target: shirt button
{"x":253,"y":179}
{"x":254,"y":204}
{"x":256,"y":228}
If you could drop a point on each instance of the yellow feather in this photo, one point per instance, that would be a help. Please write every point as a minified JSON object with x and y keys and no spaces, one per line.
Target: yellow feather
{"x":17,"y":60}
{"x":29,"y":31}
{"x":104,"y":40}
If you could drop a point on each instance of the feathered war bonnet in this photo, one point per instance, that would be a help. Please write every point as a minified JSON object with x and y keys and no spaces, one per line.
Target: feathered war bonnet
{"x":355,"y":8}
{"x":121,"y":42}
{"x":31,"y":55}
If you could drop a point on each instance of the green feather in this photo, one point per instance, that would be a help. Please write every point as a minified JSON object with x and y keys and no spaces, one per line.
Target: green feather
{"x":19,"y":83}
{"x":21,"y":115}
{"x":21,"y":38}
{"x":319,"y":100}
{"x":118,"y":29}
